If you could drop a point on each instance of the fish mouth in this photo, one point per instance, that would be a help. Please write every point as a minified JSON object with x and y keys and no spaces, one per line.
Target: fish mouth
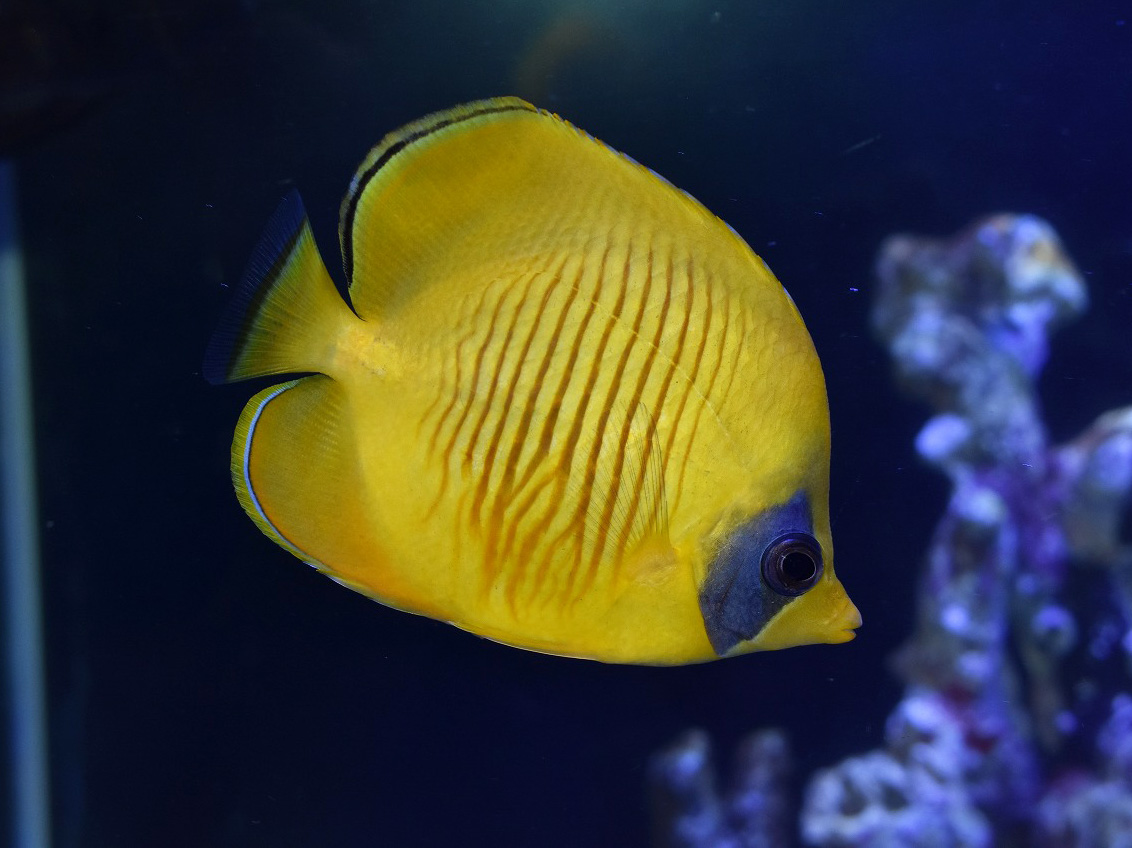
{"x":843,"y":624}
{"x":842,"y":636}
{"x":823,"y":616}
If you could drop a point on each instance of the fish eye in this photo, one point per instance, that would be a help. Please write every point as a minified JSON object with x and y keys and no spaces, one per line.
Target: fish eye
{"x":792,"y":563}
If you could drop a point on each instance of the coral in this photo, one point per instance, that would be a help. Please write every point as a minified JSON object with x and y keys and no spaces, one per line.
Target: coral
{"x":1094,"y":810}
{"x":908,"y":796}
{"x":1011,"y":659}
{"x":688,"y":812}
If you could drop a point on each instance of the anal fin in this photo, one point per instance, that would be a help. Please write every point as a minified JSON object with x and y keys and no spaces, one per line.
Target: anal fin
{"x":298,"y":474}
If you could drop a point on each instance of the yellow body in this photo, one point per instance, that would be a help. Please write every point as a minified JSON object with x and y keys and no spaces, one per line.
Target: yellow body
{"x":565,"y":384}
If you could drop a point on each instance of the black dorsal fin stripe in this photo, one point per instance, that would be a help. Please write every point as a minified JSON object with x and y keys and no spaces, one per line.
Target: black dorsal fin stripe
{"x":362,"y":180}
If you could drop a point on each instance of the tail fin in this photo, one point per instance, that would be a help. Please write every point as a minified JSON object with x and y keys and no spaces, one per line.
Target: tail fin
{"x":286,"y":313}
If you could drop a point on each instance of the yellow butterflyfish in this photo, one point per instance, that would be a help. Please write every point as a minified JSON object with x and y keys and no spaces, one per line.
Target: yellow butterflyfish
{"x":566,"y":407}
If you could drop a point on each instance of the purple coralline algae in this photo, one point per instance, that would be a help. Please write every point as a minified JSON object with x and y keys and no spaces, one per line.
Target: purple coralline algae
{"x":689,"y":811}
{"x":1014,"y":728}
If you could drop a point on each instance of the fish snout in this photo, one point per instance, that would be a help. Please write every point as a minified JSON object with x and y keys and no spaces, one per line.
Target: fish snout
{"x":846,"y":618}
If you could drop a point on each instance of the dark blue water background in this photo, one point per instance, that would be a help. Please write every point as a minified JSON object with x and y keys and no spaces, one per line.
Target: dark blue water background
{"x":208,"y":689}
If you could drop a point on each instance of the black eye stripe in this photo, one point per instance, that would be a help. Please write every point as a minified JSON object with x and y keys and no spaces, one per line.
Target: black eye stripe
{"x":736,"y":598}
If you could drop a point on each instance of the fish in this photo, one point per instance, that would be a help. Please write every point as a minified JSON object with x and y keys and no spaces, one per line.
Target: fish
{"x":560,"y":405}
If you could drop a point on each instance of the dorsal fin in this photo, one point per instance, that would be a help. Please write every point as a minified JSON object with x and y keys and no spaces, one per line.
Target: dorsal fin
{"x":495,"y":180}
{"x":366,"y":245}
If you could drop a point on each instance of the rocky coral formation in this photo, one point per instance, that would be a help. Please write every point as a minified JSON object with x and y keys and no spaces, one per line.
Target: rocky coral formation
{"x":689,"y":812}
{"x":1010,"y":658}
